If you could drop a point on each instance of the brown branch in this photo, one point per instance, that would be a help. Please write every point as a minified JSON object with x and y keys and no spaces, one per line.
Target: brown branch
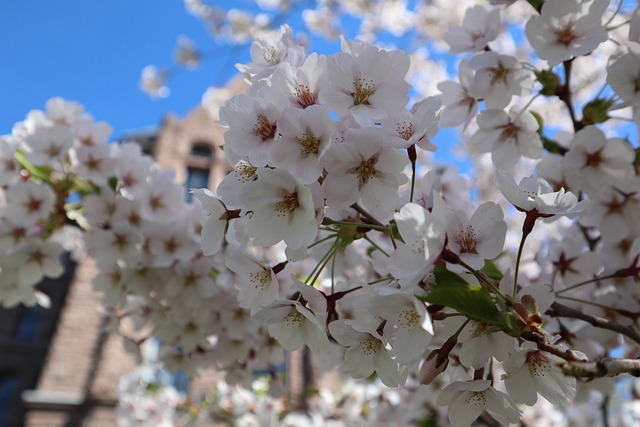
{"x":366,"y":214}
{"x":559,"y":310}
{"x":574,"y":367}
{"x":606,"y":367}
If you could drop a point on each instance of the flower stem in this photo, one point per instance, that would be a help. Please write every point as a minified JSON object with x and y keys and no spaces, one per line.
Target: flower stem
{"x":586,"y":282}
{"x":529,"y":222}
{"x":413,"y":155}
{"x":323,"y":261}
{"x":330,"y":221}
{"x":375,"y":245}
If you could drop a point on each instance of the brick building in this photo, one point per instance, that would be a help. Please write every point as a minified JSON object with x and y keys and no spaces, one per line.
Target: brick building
{"x":58,"y":366}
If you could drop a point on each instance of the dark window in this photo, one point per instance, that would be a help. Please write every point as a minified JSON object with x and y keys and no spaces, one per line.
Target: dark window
{"x":201,"y":150}
{"x":196,"y":178}
{"x":8,"y":388}
{"x":29,"y":328}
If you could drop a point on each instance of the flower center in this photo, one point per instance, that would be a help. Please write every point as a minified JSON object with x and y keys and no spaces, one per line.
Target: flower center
{"x":264,"y":128}
{"x":594,"y":159}
{"x":294,"y":318}
{"x":33,"y":204}
{"x":476,"y":398}
{"x":538,"y":363}
{"x":366,"y":170}
{"x":405,"y":130}
{"x":304,"y":96}
{"x":408,"y":318}
{"x":371,"y":346}
{"x":565,"y":36}
{"x":362,"y":90}
{"x":288,"y":204}
{"x":467,"y":239}
{"x":498,"y":74}
{"x":260,"y":279}
{"x":510,"y":131}
{"x":308,"y":143}
{"x":246,"y":172}
{"x":271,"y":56}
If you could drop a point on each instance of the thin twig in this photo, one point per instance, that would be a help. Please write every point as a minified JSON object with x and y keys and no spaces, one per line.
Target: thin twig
{"x":366,"y":214}
{"x":560,"y":310}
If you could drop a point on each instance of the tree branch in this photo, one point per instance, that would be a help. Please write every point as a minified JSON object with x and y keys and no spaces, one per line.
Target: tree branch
{"x":559,"y":310}
{"x":606,"y":367}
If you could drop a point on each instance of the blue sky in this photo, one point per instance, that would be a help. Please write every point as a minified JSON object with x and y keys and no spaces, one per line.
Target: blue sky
{"x":93,"y":52}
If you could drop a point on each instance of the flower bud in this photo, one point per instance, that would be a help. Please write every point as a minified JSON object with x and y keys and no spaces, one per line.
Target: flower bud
{"x":432,"y":367}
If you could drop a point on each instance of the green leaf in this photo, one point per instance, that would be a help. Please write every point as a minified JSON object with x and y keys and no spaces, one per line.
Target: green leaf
{"x":540,"y":121}
{"x":445,"y":277}
{"x":472,"y":301}
{"x":597,"y":111}
{"x":40,"y":173}
{"x":549,"y":80}
{"x":537,"y":4}
{"x":552,"y":146}
{"x":491,"y":270}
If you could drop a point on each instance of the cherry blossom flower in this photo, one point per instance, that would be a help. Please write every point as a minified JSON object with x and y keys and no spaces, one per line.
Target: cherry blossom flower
{"x":28,"y":203}
{"x":497,"y":78}
{"x":304,"y":136}
{"x":363,"y":168}
{"x":154,"y":82}
{"x":89,"y":133}
{"x":186,"y":53}
{"x":95,"y":163}
{"x":623,"y":74}
{"x":572,"y":260}
{"x":252,"y":126}
{"x":408,"y":329}
{"x":132,"y":169}
{"x":567,"y":28}
{"x":35,"y":261}
{"x":417,"y":126}
{"x":459,"y":106}
{"x":169,"y":244}
{"x":283,"y":209}
{"x":294,"y":324}
{"x":468,"y":399}
{"x":479,"y":238}
{"x":214,"y":221}
{"x":534,"y":193}
{"x":424,"y":235}
{"x":615,"y":215}
{"x":161,"y":198}
{"x":268,"y":52}
{"x":302,"y":84}
{"x":231,"y":185}
{"x":507,"y":136}
{"x":597,"y":160}
{"x":257,"y":285}
{"x":120,"y":243}
{"x":530,"y":371}
{"x":366,"y":353}
{"x":9,"y":166}
{"x":479,"y":345}
{"x":48,"y":144}
{"x":369,"y":85}
{"x":478,"y":29}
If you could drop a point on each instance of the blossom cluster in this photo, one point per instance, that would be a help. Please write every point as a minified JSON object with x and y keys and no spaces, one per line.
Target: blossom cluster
{"x":336,"y":232}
